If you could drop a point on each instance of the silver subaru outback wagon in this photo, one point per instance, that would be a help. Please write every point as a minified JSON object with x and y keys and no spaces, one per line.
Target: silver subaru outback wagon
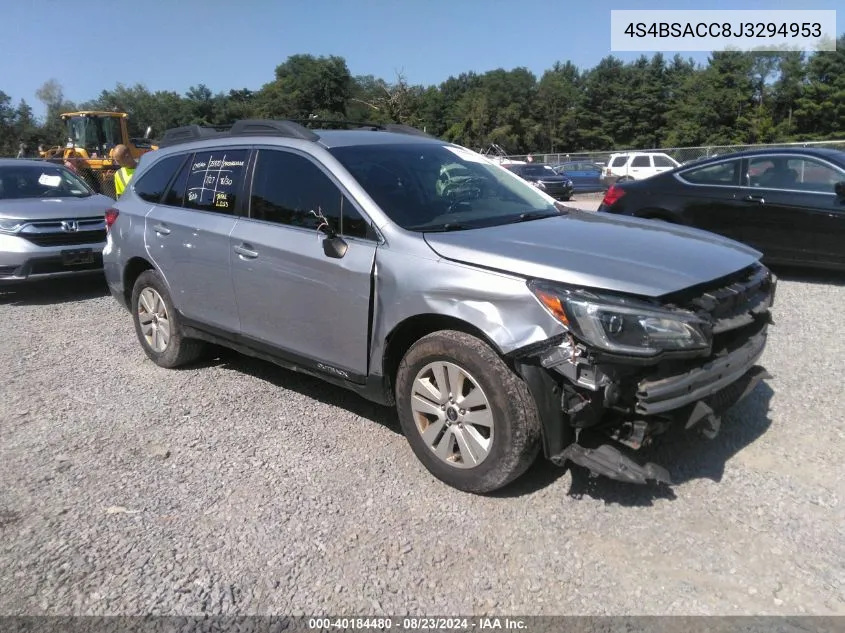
{"x":499,"y":323}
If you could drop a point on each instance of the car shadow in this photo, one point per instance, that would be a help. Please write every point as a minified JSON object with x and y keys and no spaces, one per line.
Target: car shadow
{"x":303,"y":384}
{"x":809,"y":275}
{"x":52,"y":291}
{"x":687,"y":455}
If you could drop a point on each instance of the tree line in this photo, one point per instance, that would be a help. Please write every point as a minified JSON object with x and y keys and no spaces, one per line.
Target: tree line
{"x":734,"y":98}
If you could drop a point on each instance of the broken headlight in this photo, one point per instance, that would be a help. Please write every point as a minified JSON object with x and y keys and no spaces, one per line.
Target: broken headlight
{"x":623,"y":326}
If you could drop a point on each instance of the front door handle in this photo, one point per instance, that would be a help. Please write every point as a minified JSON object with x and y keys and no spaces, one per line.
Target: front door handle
{"x":243,"y":251}
{"x":752,"y":198}
{"x":161,"y":229}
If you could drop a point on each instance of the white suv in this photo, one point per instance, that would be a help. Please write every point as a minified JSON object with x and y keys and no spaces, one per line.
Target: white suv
{"x":638,"y":165}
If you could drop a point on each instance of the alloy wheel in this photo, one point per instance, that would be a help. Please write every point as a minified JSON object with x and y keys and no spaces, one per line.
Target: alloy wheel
{"x":452,"y":414}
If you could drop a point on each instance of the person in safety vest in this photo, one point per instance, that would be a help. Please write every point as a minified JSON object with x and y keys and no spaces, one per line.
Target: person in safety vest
{"x":127,"y":168}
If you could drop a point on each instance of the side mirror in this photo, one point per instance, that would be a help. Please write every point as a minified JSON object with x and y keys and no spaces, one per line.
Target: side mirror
{"x":148,"y":132}
{"x":335,"y":247}
{"x":839,"y":188}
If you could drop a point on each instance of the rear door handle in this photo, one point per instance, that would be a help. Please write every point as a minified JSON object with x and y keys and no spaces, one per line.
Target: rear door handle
{"x":243,"y":251}
{"x":161,"y":229}
{"x":753,"y":198}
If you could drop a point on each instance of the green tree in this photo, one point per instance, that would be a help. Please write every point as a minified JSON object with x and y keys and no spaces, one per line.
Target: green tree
{"x":306,"y":85}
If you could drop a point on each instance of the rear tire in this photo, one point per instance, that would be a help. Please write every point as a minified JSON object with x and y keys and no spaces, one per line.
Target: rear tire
{"x":489,"y":441}
{"x":157,"y":324}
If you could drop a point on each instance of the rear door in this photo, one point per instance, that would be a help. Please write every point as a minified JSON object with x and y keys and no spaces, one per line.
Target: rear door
{"x":711,"y":200}
{"x":292,"y":294}
{"x":188,"y":235}
{"x":799,"y":217}
{"x":662,"y":163}
{"x":640,"y":167}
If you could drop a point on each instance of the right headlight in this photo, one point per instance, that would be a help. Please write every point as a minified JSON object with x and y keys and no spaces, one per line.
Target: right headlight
{"x":623,"y":326}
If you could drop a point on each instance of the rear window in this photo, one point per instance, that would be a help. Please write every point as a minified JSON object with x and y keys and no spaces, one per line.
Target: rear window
{"x":663,"y":161}
{"x":41,"y":181}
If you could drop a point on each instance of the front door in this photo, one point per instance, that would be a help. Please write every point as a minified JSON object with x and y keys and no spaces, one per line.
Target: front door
{"x":801,"y":220}
{"x":310,"y":305}
{"x":188,"y":236}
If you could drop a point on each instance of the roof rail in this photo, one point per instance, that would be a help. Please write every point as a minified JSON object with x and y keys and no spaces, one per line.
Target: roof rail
{"x":288,"y":128}
{"x":397,"y":128}
{"x":187,"y":133}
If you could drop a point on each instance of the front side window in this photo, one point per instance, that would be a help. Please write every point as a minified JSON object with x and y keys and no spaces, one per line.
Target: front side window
{"x":814,"y":176}
{"x":406,"y":181}
{"x":151,"y":184}
{"x":290,"y":189}
{"x":41,"y":181}
{"x":726,"y":174}
{"x":214,"y":180}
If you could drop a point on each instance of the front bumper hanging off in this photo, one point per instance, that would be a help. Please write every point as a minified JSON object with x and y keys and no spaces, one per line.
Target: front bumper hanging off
{"x":694,"y":399}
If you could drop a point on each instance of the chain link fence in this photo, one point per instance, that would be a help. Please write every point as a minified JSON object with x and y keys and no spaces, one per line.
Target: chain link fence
{"x":101,"y":177}
{"x":680,"y":154}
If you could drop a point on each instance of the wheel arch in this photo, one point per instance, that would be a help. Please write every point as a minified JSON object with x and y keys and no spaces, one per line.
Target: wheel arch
{"x":412,"y":329}
{"x":133,"y":269}
{"x":656,"y":213}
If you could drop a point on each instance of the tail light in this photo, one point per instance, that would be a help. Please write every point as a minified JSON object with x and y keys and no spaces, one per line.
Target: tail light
{"x":613,"y":195}
{"x":111,"y":216}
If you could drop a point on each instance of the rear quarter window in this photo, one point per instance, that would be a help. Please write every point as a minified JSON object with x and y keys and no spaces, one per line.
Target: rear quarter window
{"x":152,"y":184}
{"x":619,"y":161}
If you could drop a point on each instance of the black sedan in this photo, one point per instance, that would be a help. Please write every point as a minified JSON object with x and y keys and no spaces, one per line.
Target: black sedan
{"x":787,"y":203}
{"x":544,"y":178}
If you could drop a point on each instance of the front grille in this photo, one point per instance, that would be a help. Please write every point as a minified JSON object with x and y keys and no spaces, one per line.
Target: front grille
{"x":735,"y":306}
{"x":68,"y":232}
{"x":66,"y":238}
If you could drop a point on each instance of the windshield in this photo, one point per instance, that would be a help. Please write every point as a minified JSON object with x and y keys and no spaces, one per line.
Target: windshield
{"x":424,"y":187}
{"x":40,"y":181}
{"x":537,"y":170}
{"x":94,"y":134}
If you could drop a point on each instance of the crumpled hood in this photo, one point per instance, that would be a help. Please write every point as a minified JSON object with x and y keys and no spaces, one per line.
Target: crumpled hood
{"x":608,"y":252}
{"x":54,"y":208}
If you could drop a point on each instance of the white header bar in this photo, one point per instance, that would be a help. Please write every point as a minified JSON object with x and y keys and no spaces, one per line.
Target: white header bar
{"x":711,"y":30}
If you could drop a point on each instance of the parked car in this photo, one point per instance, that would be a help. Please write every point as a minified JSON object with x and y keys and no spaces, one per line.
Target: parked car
{"x":627,"y":166}
{"x":499,"y":326}
{"x":585,"y":176}
{"x":787,"y":203}
{"x":52,"y":224}
{"x":545,"y":178}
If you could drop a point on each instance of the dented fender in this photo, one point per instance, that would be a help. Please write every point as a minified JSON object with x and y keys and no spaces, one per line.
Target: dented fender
{"x":408,"y":285}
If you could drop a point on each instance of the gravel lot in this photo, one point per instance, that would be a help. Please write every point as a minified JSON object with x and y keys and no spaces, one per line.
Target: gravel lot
{"x":237,"y":487}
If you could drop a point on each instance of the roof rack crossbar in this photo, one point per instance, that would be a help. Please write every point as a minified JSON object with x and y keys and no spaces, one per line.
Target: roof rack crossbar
{"x":288,"y":128}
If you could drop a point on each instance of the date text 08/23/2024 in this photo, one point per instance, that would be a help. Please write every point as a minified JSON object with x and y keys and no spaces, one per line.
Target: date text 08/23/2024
{"x":417,"y":624}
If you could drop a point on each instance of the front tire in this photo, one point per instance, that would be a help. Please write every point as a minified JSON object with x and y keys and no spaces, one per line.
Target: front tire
{"x":468,"y":417}
{"x":157,"y":324}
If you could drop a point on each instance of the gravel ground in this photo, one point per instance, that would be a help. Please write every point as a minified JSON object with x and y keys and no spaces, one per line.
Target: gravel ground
{"x":239,"y":488}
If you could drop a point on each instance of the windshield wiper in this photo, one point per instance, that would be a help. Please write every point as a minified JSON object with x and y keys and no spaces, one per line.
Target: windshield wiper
{"x":534,"y":215}
{"x":441,"y":228}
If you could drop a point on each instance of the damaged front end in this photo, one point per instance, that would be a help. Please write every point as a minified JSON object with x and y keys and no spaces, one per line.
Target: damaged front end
{"x":627,"y":370}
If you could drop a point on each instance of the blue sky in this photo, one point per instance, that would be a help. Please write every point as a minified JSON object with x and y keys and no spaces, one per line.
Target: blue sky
{"x":173,"y":44}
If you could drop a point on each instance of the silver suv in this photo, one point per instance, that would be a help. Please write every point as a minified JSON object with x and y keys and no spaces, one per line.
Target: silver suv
{"x":498,"y":322}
